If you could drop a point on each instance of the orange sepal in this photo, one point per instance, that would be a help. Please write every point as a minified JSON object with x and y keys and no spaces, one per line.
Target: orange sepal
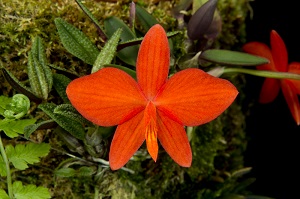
{"x":260,"y":49}
{"x":107,"y":97}
{"x":291,"y":99}
{"x":127,"y":139}
{"x":194,"y":97}
{"x":279,"y":52}
{"x":153,"y":61}
{"x":174,"y":140}
{"x":269,"y":90}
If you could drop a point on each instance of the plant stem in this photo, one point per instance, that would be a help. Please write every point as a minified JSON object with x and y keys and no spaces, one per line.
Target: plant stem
{"x":263,"y":73}
{"x":9,"y":182}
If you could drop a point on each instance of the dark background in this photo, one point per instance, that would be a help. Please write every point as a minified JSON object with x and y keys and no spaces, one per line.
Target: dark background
{"x":274,"y":145}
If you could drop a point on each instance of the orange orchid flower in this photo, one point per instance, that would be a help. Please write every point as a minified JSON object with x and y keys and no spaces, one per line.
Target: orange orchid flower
{"x":154,"y":107}
{"x":278,"y":57}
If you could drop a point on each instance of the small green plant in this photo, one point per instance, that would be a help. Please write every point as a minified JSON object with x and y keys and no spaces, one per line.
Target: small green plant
{"x":19,"y":156}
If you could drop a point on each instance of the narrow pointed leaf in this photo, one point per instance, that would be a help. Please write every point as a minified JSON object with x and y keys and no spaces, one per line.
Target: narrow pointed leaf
{"x":68,"y":73}
{"x":40,"y":75}
{"x":37,"y":77}
{"x":201,"y":20}
{"x":76,"y":42}
{"x":16,"y":84}
{"x":145,"y":18}
{"x":108,"y":51}
{"x":28,"y":130}
{"x":233,"y":58}
{"x":60,"y":84}
{"x":69,"y":111}
{"x":93,"y":18}
{"x":73,"y":127}
{"x":129,"y":71}
{"x":129,"y":54}
{"x":39,"y":52}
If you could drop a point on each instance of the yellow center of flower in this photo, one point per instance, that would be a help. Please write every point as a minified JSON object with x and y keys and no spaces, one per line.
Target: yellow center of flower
{"x":151,"y":130}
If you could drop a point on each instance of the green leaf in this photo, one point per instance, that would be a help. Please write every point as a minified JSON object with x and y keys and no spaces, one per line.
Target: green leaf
{"x":2,"y":168}
{"x":40,"y":75}
{"x":73,"y":127}
{"x":129,"y":71}
{"x":65,"y":172}
{"x":86,"y":171}
{"x":16,"y":84}
{"x":37,"y":77}
{"x":60,"y":84}
{"x":76,"y":42}
{"x":23,"y":154}
{"x":129,"y":54}
{"x":228,"y":57}
{"x":28,"y":130}
{"x":69,"y":111}
{"x":93,"y":18}
{"x":3,"y":194}
{"x":29,"y":191}
{"x":12,"y":128}
{"x":108,"y":51}
{"x":68,"y":73}
{"x":145,"y":18}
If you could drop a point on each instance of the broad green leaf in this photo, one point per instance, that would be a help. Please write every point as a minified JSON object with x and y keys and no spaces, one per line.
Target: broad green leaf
{"x":3,"y":194}
{"x":29,"y":191}
{"x":234,"y":58}
{"x":2,"y":168}
{"x":65,"y":172}
{"x":16,"y":84}
{"x":76,"y":42}
{"x":93,"y":18}
{"x":86,"y":171}
{"x":108,"y":51}
{"x":129,"y":54}
{"x":12,"y":128}
{"x":145,"y":18}
{"x":23,"y":154}
{"x":69,"y":111}
{"x":28,"y":130}
{"x":60,"y":84}
{"x":73,"y":127}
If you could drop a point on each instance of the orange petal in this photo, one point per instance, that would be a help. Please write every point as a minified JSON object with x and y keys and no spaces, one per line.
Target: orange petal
{"x":260,"y":49}
{"x":151,"y":130}
{"x":153,"y":61}
{"x":194,"y":97}
{"x":291,"y":99}
{"x":294,"y":67}
{"x":279,"y":52}
{"x":128,"y":138}
{"x":107,"y":97}
{"x":173,"y":138}
{"x":269,"y":91}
